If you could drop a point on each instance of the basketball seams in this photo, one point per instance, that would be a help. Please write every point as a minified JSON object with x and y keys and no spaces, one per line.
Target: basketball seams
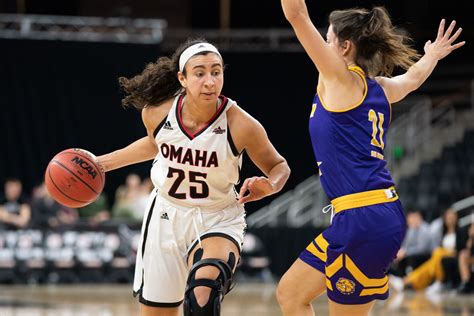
{"x":79,"y":153}
{"x":57,"y":187}
{"x":65,"y":168}
{"x":71,"y":177}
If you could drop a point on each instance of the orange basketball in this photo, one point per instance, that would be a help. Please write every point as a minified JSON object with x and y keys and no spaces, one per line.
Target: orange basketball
{"x":74,"y":178}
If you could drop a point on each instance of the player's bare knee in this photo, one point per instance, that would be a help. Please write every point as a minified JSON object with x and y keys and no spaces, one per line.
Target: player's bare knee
{"x":283,"y":294}
{"x":202,"y":293}
{"x":288,"y":298}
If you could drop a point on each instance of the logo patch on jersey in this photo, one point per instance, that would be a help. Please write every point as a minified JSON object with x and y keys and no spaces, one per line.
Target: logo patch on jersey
{"x":218,"y":130}
{"x":390,"y":193}
{"x":319,"y":168}
{"x":345,"y":286}
{"x":168,"y":126}
{"x":164,"y":216}
{"x":313,"y":109}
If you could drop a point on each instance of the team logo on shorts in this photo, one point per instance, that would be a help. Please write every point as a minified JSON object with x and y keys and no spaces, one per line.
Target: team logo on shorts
{"x":345,"y":286}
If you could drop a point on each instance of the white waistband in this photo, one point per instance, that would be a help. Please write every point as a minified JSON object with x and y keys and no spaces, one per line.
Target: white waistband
{"x":211,"y":207}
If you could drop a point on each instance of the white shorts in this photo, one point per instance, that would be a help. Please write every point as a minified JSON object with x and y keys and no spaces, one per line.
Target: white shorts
{"x":169,"y":233}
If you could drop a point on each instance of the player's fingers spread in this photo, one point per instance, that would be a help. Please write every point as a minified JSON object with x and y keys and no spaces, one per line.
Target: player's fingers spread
{"x":456,"y":46}
{"x":455,"y":36}
{"x":441,"y":29}
{"x":449,"y":30}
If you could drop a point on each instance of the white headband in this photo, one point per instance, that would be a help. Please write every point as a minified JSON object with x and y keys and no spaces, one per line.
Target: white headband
{"x":196,"y":49}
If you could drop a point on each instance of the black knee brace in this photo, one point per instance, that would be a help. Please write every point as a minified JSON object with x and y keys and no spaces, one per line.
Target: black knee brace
{"x":219,"y":287}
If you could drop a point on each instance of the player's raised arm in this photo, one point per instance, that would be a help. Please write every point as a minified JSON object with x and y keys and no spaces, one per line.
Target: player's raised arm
{"x":328,"y":62}
{"x":399,"y":87}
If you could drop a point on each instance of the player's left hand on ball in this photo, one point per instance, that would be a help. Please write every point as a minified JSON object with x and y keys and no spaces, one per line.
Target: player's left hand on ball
{"x":254,"y":189}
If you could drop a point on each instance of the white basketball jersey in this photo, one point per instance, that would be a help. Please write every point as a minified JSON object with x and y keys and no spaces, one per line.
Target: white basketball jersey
{"x":196,"y":169}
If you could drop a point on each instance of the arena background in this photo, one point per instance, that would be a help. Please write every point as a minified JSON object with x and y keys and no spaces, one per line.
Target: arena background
{"x":56,"y":94}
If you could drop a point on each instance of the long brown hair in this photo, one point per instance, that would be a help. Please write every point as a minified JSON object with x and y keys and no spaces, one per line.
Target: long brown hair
{"x":157,"y":83}
{"x":380,"y":47}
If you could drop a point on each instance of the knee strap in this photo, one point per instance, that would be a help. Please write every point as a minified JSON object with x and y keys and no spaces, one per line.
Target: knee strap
{"x":224,"y":278}
{"x":219,"y":287}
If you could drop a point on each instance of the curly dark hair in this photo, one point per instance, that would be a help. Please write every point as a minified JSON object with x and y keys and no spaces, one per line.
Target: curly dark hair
{"x":379,"y":45}
{"x":158,"y":82}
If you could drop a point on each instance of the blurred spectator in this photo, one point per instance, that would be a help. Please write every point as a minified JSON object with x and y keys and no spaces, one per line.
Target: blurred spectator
{"x":466,"y":263}
{"x":97,"y":212}
{"x":432,"y":270}
{"x":416,"y":247}
{"x":47,"y":213}
{"x":453,"y":267}
{"x":147,"y":186}
{"x":436,"y":231}
{"x":131,"y":198}
{"x":15,"y":212}
{"x":255,"y":263}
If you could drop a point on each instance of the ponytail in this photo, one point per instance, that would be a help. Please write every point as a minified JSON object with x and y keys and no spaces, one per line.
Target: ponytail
{"x":380,"y":47}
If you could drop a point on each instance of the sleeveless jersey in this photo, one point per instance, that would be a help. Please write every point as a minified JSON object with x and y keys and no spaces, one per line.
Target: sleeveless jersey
{"x":348,"y":145}
{"x":200,"y":169}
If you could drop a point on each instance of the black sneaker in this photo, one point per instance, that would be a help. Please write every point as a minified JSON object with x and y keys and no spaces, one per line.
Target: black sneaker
{"x":464,"y":288}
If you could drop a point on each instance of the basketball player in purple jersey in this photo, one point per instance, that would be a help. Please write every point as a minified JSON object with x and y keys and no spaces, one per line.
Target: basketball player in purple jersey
{"x":348,"y":125}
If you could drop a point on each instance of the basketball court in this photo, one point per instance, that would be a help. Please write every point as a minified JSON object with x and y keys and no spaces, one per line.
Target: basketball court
{"x":246,"y":299}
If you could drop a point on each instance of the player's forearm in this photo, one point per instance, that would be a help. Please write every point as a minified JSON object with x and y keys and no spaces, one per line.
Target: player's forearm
{"x":421,"y":70}
{"x":294,"y":9}
{"x":138,"y":151}
{"x":278,"y":175}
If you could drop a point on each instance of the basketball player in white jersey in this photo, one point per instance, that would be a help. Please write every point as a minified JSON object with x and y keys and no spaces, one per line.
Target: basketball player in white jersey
{"x":193,"y":227}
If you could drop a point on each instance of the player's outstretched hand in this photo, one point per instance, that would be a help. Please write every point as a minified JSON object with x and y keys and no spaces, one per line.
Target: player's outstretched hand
{"x":254,"y":189}
{"x":443,"y":45}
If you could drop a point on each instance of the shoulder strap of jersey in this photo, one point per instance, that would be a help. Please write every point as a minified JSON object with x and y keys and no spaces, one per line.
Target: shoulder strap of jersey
{"x":171,"y":115}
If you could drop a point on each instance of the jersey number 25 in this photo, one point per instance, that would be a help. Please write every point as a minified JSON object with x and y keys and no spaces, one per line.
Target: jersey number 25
{"x":194,"y":177}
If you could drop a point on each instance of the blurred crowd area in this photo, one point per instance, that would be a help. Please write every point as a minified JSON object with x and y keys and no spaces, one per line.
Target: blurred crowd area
{"x":38,"y":210}
{"x":44,"y":242}
{"x":435,"y":257}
